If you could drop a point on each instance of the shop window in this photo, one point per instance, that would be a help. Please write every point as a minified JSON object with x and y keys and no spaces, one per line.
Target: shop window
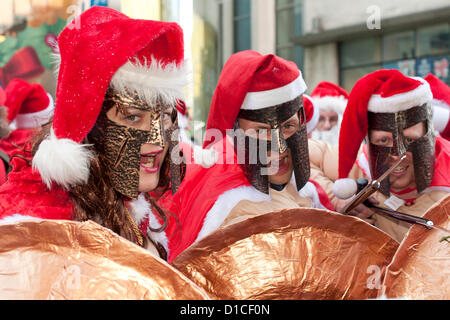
{"x":414,"y":52}
{"x":399,"y":46}
{"x":288,"y":26}
{"x":242,"y":25}
{"x":433,"y":40}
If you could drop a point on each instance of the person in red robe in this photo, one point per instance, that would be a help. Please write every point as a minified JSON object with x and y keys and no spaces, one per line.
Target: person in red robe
{"x":256,"y":94}
{"x":29,"y":107}
{"x":110,"y":139}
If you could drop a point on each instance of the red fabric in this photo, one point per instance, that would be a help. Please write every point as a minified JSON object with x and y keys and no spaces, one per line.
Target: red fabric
{"x":24,"y":97}
{"x":181,"y":107}
{"x":309,"y":108}
{"x":2,"y":172}
{"x":440,"y":90}
{"x":354,"y":123}
{"x":446,"y":133}
{"x":207,"y":184}
{"x":24,"y":64}
{"x":245,"y":71}
{"x":2,"y":97}
{"x":90,"y":56}
{"x":25,"y":194}
{"x":18,"y":142}
{"x":323,"y":197}
{"x":328,"y":89}
{"x":442,"y":165}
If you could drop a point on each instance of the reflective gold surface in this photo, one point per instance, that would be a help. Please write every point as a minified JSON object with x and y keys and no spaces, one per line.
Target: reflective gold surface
{"x":82,"y":260}
{"x":421,"y":267}
{"x":292,"y":254}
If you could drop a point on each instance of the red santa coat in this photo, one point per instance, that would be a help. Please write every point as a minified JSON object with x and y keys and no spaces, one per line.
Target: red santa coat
{"x":207,"y":195}
{"x":18,"y":142}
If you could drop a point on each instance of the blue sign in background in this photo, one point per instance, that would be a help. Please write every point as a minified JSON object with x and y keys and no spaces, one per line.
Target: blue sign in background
{"x":439,"y":66}
{"x":102,"y":3}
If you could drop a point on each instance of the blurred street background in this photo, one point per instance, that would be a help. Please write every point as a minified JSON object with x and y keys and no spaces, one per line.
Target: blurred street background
{"x":337,"y":41}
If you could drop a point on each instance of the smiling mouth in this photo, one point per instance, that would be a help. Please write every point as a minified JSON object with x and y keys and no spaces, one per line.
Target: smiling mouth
{"x":400,"y":170}
{"x":150,"y":161}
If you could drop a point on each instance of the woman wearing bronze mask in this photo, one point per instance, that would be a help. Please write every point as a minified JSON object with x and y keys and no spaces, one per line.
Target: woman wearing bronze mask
{"x":113,"y":131}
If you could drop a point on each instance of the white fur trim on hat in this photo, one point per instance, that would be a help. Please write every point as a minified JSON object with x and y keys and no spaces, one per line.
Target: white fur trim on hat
{"x":153,"y":82}
{"x":62,"y":161}
{"x":35,"y":119}
{"x":440,"y":103}
{"x":225,"y":203}
{"x":402,"y":101}
{"x":344,"y":188}
{"x":441,"y":117}
{"x":337,"y":104}
{"x":270,"y":98}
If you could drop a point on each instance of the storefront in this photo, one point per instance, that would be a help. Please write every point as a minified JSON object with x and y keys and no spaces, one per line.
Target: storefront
{"x":415,"y":52}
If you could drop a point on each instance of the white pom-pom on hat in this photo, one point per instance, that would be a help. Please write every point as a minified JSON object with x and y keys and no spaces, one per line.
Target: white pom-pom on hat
{"x":205,"y":157}
{"x":344,"y":188}
{"x":63,"y":161}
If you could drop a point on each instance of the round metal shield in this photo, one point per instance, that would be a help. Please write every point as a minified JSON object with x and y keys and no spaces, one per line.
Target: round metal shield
{"x":420,"y":268}
{"x":49,"y":259}
{"x":291,"y":254}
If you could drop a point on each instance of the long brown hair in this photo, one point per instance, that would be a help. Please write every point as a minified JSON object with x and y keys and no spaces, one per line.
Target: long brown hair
{"x":97,"y":200}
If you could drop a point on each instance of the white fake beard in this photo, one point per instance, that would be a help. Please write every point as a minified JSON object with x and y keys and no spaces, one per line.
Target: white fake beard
{"x":331,"y":136}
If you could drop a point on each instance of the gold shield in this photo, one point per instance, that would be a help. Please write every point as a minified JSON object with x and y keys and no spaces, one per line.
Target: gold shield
{"x":291,"y":254}
{"x":49,"y":259}
{"x":420,"y":268}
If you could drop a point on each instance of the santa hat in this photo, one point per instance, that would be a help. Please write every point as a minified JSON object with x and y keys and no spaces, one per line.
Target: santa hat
{"x":330,"y":97}
{"x":29,"y":105}
{"x":440,"y":104}
{"x":2,"y":97}
{"x":251,"y":81}
{"x":383,"y":91}
{"x":24,"y":64}
{"x":106,"y":49}
{"x":311,"y":113}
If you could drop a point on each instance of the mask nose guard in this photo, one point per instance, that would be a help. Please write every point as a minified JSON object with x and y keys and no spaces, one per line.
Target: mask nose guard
{"x":278,"y":141}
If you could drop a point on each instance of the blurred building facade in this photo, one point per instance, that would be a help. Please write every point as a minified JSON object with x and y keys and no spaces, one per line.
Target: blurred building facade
{"x":338,"y":41}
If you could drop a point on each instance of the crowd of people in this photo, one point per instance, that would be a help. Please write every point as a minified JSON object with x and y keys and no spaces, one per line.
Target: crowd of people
{"x":109,"y":148}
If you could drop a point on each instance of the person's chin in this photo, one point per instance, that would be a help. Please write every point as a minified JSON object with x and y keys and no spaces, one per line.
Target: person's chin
{"x":280,"y":179}
{"x":150,"y":181}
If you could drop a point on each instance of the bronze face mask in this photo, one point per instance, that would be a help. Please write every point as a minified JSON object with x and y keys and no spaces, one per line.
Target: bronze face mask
{"x":255,"y":150}
{"x":422,"y":149}
{"x":119,"y":146}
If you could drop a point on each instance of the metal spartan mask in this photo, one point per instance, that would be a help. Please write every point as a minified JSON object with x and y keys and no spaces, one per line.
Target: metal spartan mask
{"x":119,"y":146}
{"x":255,"y":150}
{"x":422,"y":149}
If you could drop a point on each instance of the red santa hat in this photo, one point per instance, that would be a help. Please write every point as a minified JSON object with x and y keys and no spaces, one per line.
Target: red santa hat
{"x":330,"y":97}
{"x":107,"y":48}
{"x":441,"y":105}
{"x":311,"y":113}
{"x":383,"y":91}
{"x":251,"y":81}
{"x":2,"y":97}
{"x":29,"y":105}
